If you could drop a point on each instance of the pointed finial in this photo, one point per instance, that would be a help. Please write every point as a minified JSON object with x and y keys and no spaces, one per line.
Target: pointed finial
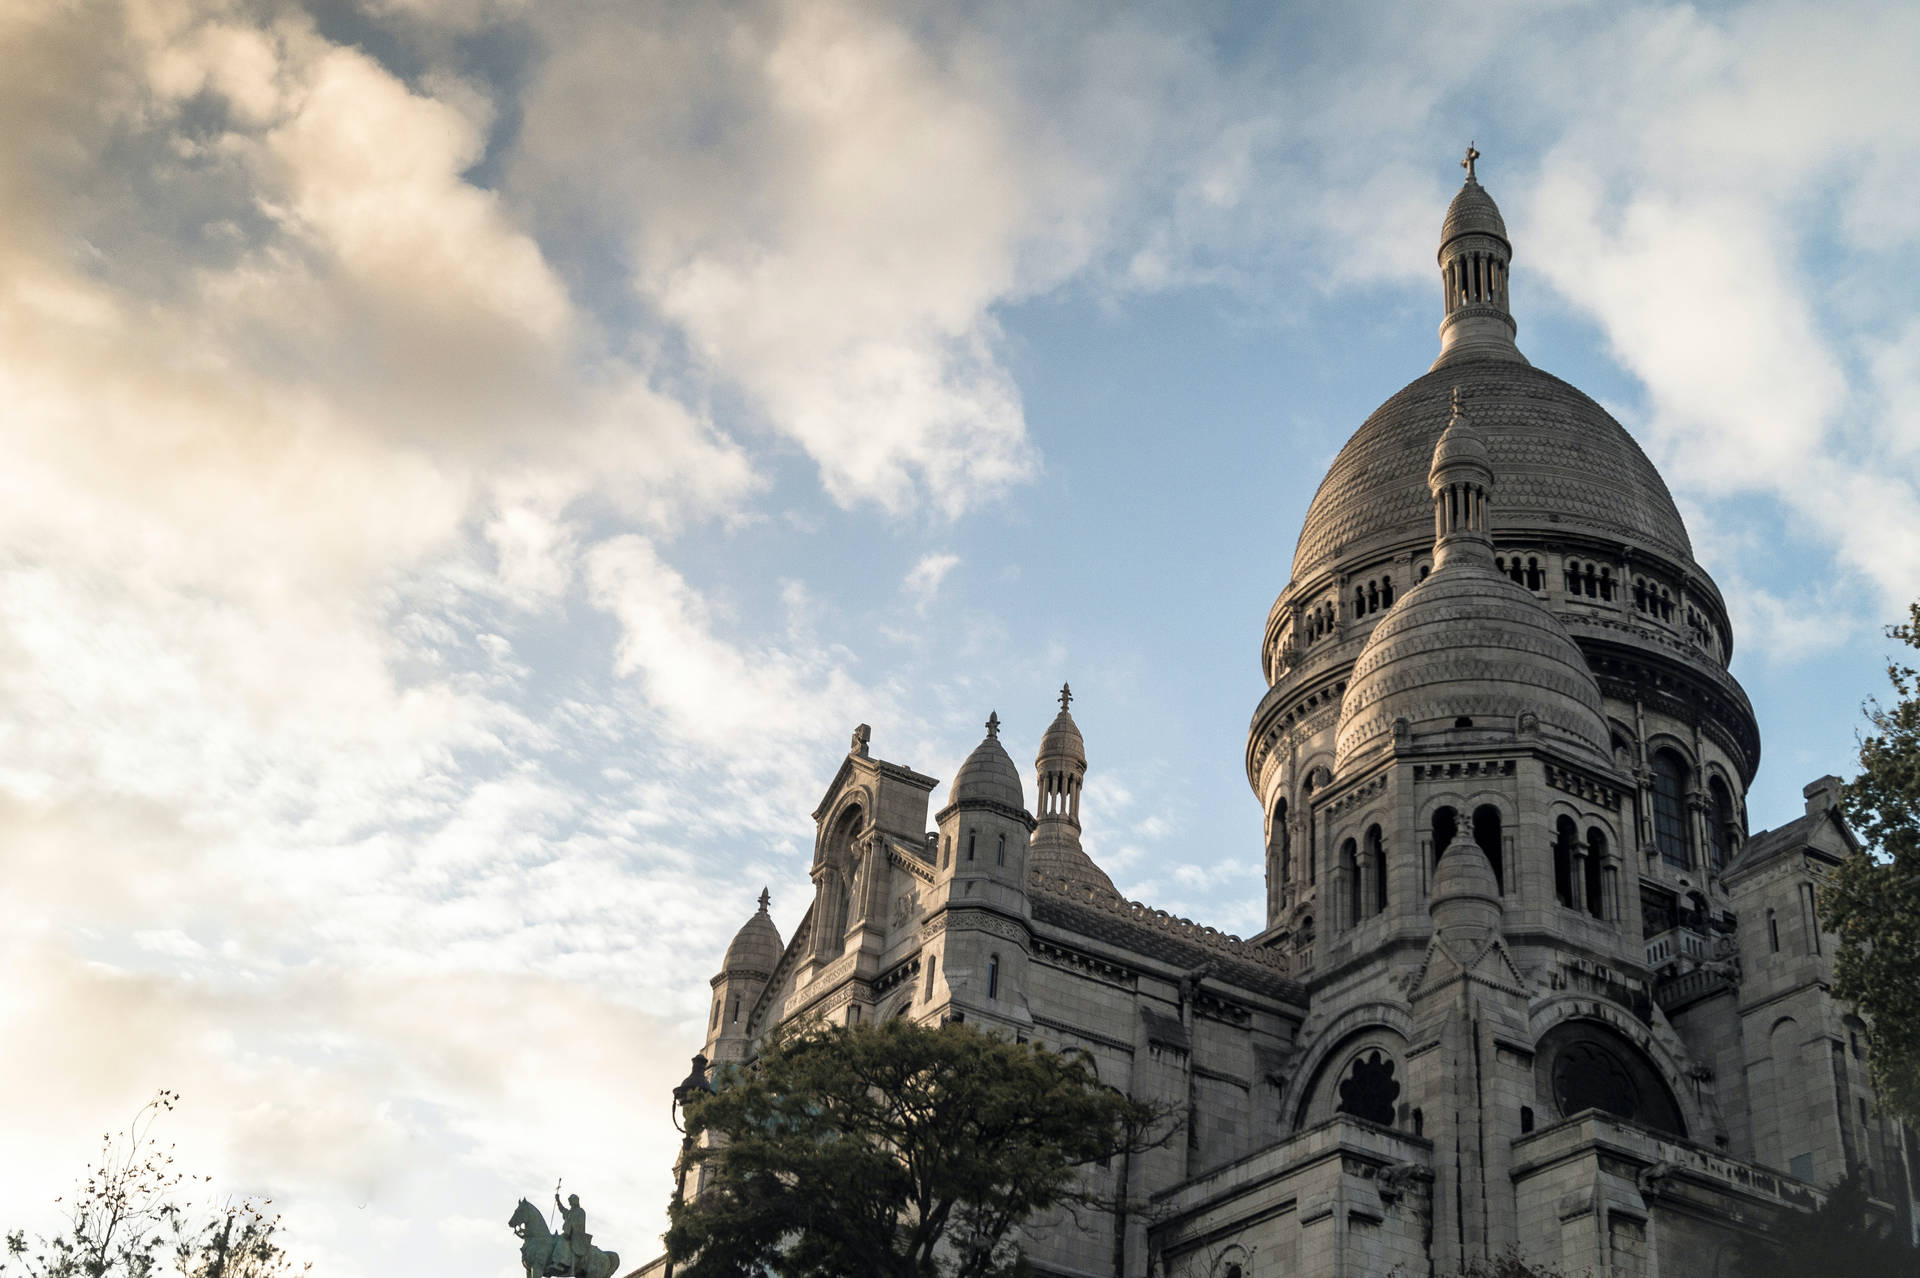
{"x":1467,"y":163}
{"x":766,"y":898}
{"x":993,"y":725}
{"x":1066,"y":695}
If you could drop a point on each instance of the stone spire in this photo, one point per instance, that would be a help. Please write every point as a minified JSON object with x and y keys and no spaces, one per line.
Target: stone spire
{"x":1474,"y":255}
{"x":1062,"y":767}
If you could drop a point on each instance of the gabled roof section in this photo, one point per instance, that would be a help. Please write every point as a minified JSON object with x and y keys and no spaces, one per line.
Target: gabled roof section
{"x":1824,"y":833}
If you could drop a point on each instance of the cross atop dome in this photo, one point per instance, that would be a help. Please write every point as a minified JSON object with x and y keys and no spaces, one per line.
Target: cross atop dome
{"x":993,"y":725}
{"x":1066,"y":695}
{"x":1467,"y":163}
{"x":766,"y":899}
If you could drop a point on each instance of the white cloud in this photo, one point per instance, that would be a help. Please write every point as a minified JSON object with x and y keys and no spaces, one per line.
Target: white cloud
{"x":924,"y":578}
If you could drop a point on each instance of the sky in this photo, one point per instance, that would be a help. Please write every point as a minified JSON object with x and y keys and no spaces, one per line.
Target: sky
{"x":467,"y":466}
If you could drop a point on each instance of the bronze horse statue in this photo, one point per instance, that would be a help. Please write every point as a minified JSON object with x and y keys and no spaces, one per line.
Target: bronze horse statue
{"x":544,"y":1253}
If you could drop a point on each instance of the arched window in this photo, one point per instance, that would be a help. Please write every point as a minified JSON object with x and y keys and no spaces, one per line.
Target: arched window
{"x":1313,"y":831}
{"x":1606,"y":584}
{"x":1279,"y":841}
{"x":1377,"y":861}
{"x":1595,"y":885}
{"x":1000,"y":852}
{"x":1565,"y":836}
{"x":1359,"y":601}
{"x":1670,"y":774}
{"x":1720,"y":813}
{"x":1486,"y":832}
{"x":1386,"y":592}
{"x":993,"y":976}
{"x":1445,"y":825}
{"x":1536,"y":578}
{"x":1349,"y":863}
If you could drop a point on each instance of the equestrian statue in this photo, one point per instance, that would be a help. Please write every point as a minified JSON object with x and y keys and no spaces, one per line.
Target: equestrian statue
{"x":567,"y":1254}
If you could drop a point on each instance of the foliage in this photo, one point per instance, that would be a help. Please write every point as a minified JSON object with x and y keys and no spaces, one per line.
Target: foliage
{"x":1873,"y":902}
{"x":128,"y":1220}
{"x":1837,"y":1238}
{"x":863,"y":1149}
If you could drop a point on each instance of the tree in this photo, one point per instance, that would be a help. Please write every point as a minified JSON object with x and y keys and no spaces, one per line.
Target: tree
{"x":1873,"y":901}
{"x":1838,"y":1237}
{"x":900,"y":1151}
{"x":129,"y":1220}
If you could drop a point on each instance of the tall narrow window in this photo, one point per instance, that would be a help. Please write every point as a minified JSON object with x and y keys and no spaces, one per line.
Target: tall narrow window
{"x":1280,"y":840}
{"x":1000,"y":851}
{"x":715,"y":1022}
{"x":933,"y":965}
{"x":1773,"y":931}
{"x":1596,"y":883}
{"x":993,"y":977}
{"x":1445,"y":826}
{"x":1486,"y":832}
{"x":1564,"y":837}
{"x":735,"y":1017}
{"x":1350,"y":868}
{"x":972,"y":838}
{"x":1670,"y":809}
{"x":1313,"y":831}
{"x":1377,"y":863}
{"x":1811,"y":917}
{"x":1720,"y":813}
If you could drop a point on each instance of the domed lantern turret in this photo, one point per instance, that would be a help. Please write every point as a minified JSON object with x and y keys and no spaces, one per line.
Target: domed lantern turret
{"x":1058,"y":862}
{"x":1474,"y":257}
{"x":744,"y":973}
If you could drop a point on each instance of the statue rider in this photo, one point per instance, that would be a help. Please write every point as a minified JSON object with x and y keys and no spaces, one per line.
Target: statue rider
{"x":573,"y":1233}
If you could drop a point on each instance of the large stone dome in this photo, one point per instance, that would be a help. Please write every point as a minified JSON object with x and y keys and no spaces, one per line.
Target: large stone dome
{"x":1469,"y":651}
{"x":1565,"y":466}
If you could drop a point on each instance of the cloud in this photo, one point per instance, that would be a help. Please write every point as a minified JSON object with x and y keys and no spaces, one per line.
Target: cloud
{"x":924,"y":578}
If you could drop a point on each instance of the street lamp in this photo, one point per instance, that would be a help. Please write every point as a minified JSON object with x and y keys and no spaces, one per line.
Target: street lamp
{"x":684,"y":1091}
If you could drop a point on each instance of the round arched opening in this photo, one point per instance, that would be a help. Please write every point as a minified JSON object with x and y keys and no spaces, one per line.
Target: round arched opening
{"x":1581,"y":1065}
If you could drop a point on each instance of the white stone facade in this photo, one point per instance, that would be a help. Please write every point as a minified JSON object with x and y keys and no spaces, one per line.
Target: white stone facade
{"x":1526,"y":979}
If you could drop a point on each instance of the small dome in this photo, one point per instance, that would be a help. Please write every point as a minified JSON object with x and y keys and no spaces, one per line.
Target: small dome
{"x":1464,"y":872}
{"x":1472,"y":212}
{"x":988,"y":775}
{"x":1062,"y":738}
{"x":1461,"y":445}
{"x":1469,"y":648}
{"x":756,"y":948}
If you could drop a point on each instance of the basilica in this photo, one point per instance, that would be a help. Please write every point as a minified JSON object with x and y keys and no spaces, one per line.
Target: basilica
{"x":1527,"y":981}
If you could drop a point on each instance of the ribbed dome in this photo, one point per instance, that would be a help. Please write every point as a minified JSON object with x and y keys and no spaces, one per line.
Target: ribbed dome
{"x":756,"y":948}
{"x":1469,"y":644}
{"x":1565,"y":466}
{"x":1062,"y":740}
{"x":1472,"y":212}
{"x":988,"y":775}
